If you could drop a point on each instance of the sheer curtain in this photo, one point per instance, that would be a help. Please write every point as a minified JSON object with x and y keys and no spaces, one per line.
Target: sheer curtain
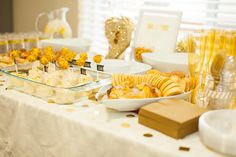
{"x":197,"y":14}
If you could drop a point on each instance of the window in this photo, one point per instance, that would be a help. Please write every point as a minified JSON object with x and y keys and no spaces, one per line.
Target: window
{"x":197,"y":14}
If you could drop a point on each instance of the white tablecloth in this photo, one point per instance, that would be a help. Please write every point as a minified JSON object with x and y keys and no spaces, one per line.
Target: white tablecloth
{"x":30,"y":127}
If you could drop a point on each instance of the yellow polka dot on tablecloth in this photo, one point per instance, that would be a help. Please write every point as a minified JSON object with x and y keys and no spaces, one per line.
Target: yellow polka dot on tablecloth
{"x":125,"y":125}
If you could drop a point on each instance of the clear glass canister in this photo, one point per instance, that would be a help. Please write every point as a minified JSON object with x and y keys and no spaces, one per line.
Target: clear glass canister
{"x":219,"y":90}
{"x":3,"y":44}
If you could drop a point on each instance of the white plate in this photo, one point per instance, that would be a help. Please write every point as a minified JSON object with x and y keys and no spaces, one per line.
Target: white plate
{"x":167,"y":62}
{"x":75,"y":44}
{"x":218,"y":130}
{"x":131,"y":104}
{"x":121,"y":66}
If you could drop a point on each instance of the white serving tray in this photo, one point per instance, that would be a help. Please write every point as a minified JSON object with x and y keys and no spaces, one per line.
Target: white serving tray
{"x":131,"y":104}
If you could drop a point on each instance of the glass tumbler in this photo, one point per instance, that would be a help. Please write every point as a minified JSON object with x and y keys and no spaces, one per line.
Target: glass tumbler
{"x":3,"y":44}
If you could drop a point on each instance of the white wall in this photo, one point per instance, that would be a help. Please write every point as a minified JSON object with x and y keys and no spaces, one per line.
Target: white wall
{"x":26,"y":11}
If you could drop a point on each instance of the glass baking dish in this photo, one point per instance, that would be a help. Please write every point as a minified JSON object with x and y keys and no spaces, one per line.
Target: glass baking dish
{"x":54,"y":94}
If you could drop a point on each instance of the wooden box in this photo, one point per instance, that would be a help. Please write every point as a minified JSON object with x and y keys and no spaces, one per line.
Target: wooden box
{"x":174,"y":117}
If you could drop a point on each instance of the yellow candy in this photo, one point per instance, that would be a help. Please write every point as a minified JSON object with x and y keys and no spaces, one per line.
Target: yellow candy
{"x":31,"y":58}
{"x":139,"y":51}
{"x":80,"y":62}
{"x":64,"y":51}
{"x":44,"y":60}
{"x":35,"y":52}
{"x":14,"y":53}
{"x":48,"y":52}
{"x":84,"y":55}
{"x":97,"y":59}
{"x":70,"y":56}
{"x":62,"y":63}
{"x":74,"y":54}
{"x":50,"y":57}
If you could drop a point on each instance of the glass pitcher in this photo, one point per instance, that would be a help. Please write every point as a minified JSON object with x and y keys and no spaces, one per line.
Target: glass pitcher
{"x":57,"y":26}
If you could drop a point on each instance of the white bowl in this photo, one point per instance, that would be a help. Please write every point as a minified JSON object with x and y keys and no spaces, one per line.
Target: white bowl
{"x":131,"y":104}
{"x":167,"y":62}
{"x":217,"y":130}
{"x":74,"y":44}
{"x":122,"y":66}
{"x":115,"y":66}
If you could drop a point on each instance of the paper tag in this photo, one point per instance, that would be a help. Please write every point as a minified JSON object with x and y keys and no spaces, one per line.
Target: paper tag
{"x":73,"y":62}
{"x":87,"y":64}
{"x":45,"y":68}
{"x":100,"y":67}
{"x":83,"y":71}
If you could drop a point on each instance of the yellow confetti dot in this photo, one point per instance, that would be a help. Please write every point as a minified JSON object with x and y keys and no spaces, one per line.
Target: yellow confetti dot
{"x":51,"y":101}
{"x":70,"y":109}
{"x":125,"y":125}
{"x":85,"y":105}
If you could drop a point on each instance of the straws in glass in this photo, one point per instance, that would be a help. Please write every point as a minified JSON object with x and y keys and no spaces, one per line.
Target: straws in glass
{"x":212,"y":62}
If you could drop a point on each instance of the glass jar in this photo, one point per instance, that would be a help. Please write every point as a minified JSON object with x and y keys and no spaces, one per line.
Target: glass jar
{"x":219,"y":91}
{"x":3,"y":44}
{"x":31,"y":40}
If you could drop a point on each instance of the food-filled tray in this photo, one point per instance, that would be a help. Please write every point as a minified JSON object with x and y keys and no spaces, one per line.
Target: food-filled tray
{"x":129,"y":92}
{"x":55,"y":85}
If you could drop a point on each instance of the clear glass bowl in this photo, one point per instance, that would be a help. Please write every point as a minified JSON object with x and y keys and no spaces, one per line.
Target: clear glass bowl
{"x":54,"y":94}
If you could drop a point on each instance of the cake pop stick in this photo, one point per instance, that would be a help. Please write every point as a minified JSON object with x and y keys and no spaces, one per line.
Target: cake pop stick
{"x":97,"y":59}
{"x":13,"y":54}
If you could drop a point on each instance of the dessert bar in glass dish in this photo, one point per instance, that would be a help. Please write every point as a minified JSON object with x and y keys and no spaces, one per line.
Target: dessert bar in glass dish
{"x":55,"y":85}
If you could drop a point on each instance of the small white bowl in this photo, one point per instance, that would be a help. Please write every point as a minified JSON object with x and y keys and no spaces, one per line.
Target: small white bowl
{"x":74,"y":44}
{"x":217,"y":130}
{"x":167,"y":62}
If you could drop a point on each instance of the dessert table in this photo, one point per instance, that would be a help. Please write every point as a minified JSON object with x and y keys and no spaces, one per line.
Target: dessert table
{"x":30,"y":127}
